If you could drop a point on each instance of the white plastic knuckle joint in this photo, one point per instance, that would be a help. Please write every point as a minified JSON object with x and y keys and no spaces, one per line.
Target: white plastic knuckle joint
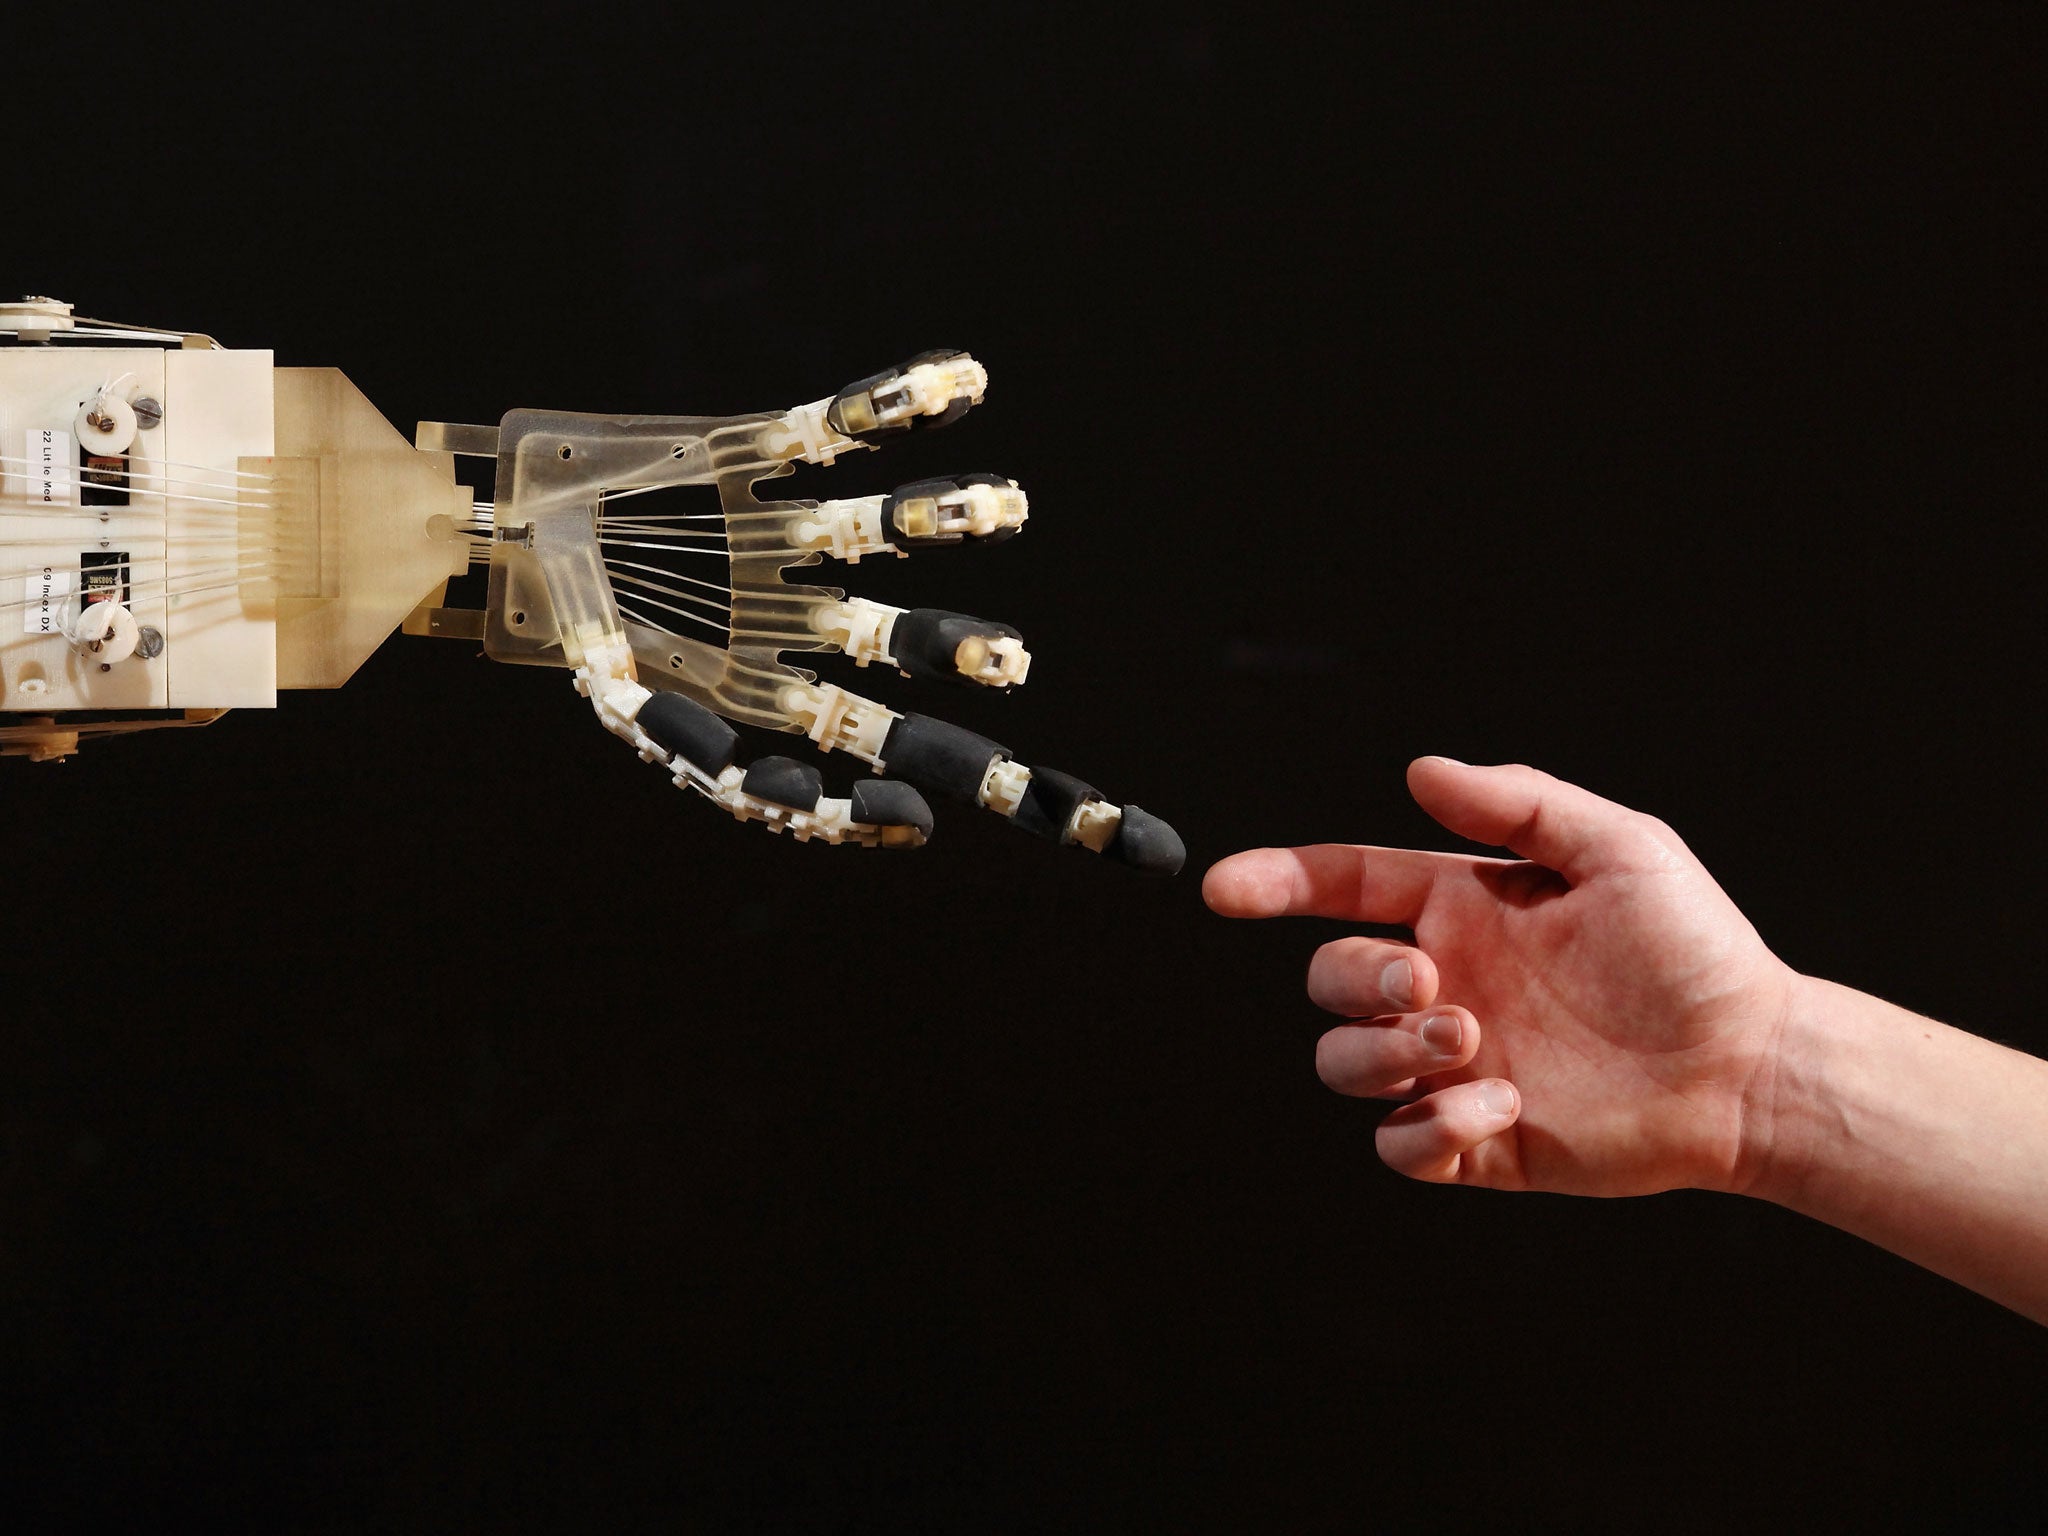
{"x":846,"y":530}
{"x":1094,"y":824}
{"x":839,"y":721}
{"x":858,"y":627}
{"x":993,"y":661}
{"x":806,"y":435}
{"x":1002,"y":788}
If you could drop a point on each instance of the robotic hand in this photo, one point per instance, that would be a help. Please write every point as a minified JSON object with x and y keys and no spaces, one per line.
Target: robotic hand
{"x":333,"y":530}
{"x":581,"y":578}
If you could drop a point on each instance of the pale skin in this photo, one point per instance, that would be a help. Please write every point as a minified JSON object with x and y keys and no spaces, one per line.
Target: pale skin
{"x":1596,"y":1017}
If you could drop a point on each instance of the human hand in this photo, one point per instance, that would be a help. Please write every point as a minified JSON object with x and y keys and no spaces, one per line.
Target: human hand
{"x":1594,"y":1018}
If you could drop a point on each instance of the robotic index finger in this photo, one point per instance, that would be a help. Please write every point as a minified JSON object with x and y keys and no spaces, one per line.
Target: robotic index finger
{"x":269,"y":529}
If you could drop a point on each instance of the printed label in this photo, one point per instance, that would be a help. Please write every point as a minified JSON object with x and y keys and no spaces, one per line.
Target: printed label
{"x":102,"y":575}
{"x":49,"y":466}
{"x":45,"y":589}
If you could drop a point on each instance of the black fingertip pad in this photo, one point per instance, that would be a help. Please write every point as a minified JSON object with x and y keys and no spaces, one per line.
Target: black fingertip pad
{"x":934,"y":355}
{"x":891,"y":803}
{"x":1147,"y":844}
{"x":940,"y":757}
{"x":683,"y":727}
{"x":785,"y":781}
{"x":1049,"y":802}
{"x":955,"y":409}
{"x":926,"y":641}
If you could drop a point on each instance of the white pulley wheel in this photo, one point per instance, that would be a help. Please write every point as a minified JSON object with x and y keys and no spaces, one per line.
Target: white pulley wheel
{"x":117,"y":433}
{"x":109,"y":626}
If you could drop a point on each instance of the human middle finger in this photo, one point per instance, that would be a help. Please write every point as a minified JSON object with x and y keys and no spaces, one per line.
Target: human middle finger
{"x":1383,"y":1056}
{"x":1360,"y":977}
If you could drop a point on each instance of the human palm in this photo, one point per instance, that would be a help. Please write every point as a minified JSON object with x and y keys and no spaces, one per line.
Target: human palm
{"x":1596,"y":1018}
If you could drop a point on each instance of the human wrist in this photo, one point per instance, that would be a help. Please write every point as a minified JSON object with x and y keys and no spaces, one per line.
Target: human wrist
{"x":1919,"y":1137}
{"x":1785,"y":1102}
{"x":1829,"y":1113}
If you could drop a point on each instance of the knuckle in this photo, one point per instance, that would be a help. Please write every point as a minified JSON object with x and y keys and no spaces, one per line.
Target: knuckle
{"x":1654,"y":837}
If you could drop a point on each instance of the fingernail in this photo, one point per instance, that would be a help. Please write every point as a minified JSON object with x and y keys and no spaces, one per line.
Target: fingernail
{"x":1497,"y":1098}
{"x":1454,"y":762}
{"x":1441,"y":1032}
{"x":1397,"y":983}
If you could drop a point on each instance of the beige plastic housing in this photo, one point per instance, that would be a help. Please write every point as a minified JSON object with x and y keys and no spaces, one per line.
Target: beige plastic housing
{"x":277,"y":530}
{"x":376,"y":516}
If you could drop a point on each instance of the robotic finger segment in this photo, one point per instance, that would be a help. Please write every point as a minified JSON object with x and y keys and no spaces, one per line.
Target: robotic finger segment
{"x":979,"y":508}
{"x":932,"y":389}
{"x":699,"y":748}
{"x":925,"y":642}
{"x":983,"y":507}
{"x":1050,"y":802}
{"x":782,"y":793}
{"x":1056,"y":806}
{"x":940,"y":756}
{"x":683,"y":727}
{"x":785,"y":782}
{"x":1146,"y":844}
{"x":930,"y":642}
{"x":839,"y":721}
{"x":893,"y":806}
{"x":845,"y":530}
{"x":1061,"y":808}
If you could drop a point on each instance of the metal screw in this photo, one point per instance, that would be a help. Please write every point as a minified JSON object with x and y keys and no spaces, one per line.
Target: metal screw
{"x":149,"y":641}
{"x":149,"y":413}
{"x":100,"y":420}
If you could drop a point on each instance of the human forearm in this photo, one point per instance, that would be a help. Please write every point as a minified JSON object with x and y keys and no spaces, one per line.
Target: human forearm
{"x":1923,"y":1139}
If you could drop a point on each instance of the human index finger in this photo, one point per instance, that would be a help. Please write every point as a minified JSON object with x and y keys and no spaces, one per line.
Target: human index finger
{"x":1341,"y":880}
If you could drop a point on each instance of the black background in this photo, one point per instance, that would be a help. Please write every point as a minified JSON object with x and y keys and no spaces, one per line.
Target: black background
{"x":417,"y":1115}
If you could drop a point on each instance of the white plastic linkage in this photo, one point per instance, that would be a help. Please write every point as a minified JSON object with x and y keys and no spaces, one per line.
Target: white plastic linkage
{"x":929,"y":388}
{"x":805,"y":435}
{"x":839,"y":721}
{"x":1002,"y":791}
{"x":858,"y":627}
{"x":1095,"y":823}
{"x":983,"y":509}
{"x":994,"y":663}
{"x":606,"y":679}
{"x":846,"y":530}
